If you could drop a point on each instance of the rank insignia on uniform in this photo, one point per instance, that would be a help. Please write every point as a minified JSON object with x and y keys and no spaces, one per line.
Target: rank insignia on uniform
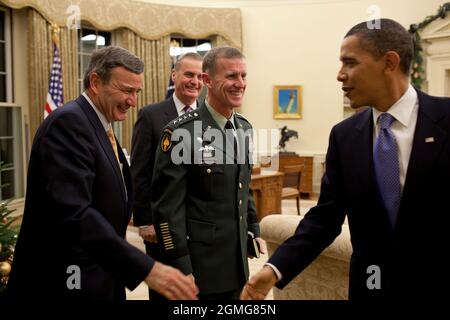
{"x":166,"y":141}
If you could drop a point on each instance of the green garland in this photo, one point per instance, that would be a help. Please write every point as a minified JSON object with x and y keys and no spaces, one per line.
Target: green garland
{"x":417,"y":72}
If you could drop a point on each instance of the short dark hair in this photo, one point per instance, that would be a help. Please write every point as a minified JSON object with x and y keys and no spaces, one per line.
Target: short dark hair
{"x":105,"y":59}
{"x":210,"y":59}
{"x":390,"y":36}
{"x":189,"y":55}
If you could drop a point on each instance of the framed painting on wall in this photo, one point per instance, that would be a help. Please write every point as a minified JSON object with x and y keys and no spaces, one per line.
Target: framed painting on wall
{"x":287,"y":102}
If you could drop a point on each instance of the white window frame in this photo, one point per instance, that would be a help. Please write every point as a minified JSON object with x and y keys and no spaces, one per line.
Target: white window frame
{"x":81,"y":53}
{"x":18,"y":134}
{"x":8,"y":55}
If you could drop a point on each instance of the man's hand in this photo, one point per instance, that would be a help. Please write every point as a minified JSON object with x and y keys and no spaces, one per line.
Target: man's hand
{"x":191,"y":276}
{"x":171,"y":283}
{"x":148,"y":233}
{"x":260,"y":242}
{"x":259,"y":285}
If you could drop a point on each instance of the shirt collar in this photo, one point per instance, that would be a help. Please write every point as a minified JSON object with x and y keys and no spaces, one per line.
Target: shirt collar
{"x":105,"y":123}
{"x":401,"y":110}
{"x":219,"y":118}
{"x":180,"y":105}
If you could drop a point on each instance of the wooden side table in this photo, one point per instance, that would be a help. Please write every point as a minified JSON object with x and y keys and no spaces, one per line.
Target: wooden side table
{"x":266,"y":188}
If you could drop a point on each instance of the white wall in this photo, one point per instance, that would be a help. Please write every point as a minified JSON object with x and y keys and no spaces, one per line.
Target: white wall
{"x":297,"y":42}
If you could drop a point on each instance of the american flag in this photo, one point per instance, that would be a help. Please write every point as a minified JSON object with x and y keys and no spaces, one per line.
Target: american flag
{"x":55,"y":90}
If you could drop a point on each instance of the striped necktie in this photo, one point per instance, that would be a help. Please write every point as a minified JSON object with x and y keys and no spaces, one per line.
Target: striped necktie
{"x":187,"y":109}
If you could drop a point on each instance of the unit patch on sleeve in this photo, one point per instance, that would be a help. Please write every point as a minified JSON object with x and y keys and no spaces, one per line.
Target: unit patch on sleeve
{"x":166,"y":141}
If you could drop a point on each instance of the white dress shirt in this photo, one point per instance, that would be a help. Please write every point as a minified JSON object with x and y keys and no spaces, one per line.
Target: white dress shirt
{"x":405,"y":112}
{"x":180,"y":105}
{"x":105,"y":123}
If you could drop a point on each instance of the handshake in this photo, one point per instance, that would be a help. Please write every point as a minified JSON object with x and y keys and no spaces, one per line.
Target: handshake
{"x":260,"y":284}
{"x":172,"y":284}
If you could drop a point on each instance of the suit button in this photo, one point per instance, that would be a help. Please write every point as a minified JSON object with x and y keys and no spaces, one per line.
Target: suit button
{"x":187,"y":237}
{"x":208,"y":171}
{"x":240,"y":185}
{"x":240,"y":202}
{"x":240,"y":218}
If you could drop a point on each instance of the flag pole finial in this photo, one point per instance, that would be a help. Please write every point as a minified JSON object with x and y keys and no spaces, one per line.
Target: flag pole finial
{"x":55,"y":96}
{"x":55,"y":33}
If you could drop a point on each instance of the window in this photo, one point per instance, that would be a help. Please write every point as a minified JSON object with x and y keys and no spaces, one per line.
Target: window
{"x":11,"y":142}
{"x":89,"y":41}
{"x":11,"y":152}
{"x":5,"y":56}
{"x":179,"y":46}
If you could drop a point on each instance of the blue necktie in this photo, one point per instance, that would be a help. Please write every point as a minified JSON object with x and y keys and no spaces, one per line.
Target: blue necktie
{"x":387,"y":170}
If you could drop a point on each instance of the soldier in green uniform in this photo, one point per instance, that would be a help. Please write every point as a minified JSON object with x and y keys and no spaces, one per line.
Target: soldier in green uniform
{"x":202,"y":203}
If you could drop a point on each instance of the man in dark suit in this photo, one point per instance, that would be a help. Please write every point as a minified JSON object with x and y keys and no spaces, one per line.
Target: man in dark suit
{"x":201,"y":202}
{"x":387,"y":170}
{"x":186,"y":76}
{"x":72,"y":239}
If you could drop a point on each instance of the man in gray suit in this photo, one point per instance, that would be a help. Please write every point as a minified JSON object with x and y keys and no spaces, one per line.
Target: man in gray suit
{"x":186,"y":76}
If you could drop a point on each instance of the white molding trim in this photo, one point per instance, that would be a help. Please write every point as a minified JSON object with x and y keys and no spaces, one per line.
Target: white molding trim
{"x":436,"y":37}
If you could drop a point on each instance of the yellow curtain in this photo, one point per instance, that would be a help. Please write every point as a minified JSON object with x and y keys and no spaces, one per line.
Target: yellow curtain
{"x":148,"y":20}
{"x":218,"y":41}
{"x":155,"y":54}
{"x":40,"y":53}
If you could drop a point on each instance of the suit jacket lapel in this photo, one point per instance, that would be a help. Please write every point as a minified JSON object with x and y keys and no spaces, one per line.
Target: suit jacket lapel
{"x":171,"y":110}
{"x":428,"y":142}
{"x":363,"y":142}
{"x":104,"y":141}
{"x":363,"y":168}
{"x":243,"y":143}
{"x":126,"y":175}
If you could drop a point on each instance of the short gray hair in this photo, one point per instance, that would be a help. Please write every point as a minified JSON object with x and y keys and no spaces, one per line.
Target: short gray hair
{"x":105,"y":59}
{"x":189,"y":55}
{"x":210,"y":59}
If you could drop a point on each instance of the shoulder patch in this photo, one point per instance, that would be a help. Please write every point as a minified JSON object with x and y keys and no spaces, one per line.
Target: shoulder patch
{"x":184,"y":118}
{"x":166,"y":140}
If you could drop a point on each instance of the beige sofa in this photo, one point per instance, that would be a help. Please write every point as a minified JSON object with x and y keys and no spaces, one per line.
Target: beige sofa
{"x":326,"y":278}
